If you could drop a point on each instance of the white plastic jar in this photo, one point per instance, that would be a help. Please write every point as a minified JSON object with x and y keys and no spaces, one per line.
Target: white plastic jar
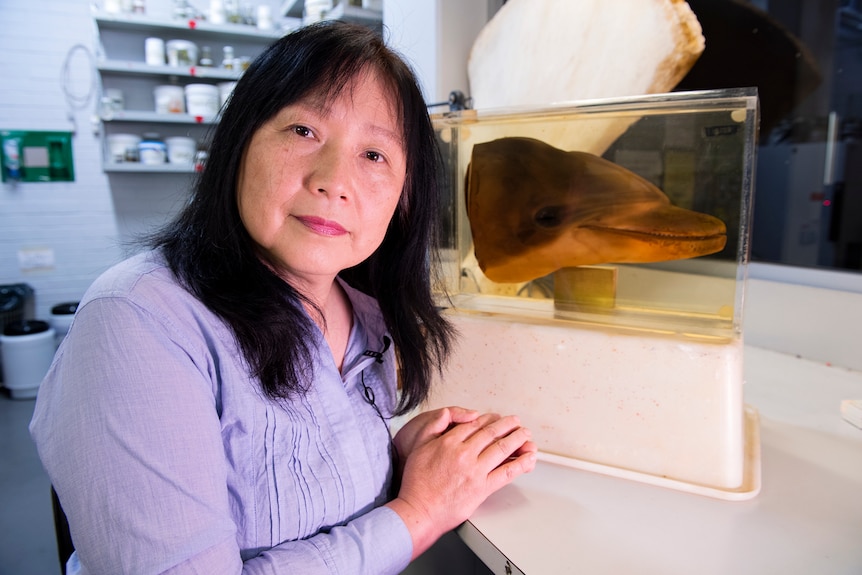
{"x":154,"y":51}
{"x":170,"y":99}
{"x":202,"y":100}
{"x":181,"y":150}
{"x":181,"y":53}
{"x":153,"y":152}
{"x":120,"y":144}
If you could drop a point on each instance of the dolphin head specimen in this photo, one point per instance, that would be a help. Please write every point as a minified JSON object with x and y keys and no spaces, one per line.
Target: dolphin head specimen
{"x":534,"y":209}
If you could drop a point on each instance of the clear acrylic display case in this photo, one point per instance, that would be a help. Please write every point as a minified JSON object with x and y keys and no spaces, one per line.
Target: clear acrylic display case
{"x":594,"y":263}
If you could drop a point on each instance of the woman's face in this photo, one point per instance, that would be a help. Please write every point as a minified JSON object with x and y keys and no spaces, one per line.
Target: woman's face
{"x":318,"y":186}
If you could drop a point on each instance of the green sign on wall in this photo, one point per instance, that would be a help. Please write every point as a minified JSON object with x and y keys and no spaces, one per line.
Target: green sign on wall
{"x":29,"y":156}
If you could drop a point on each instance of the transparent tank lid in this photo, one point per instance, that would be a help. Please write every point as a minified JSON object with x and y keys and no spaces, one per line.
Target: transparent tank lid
{"x":630,"y":213}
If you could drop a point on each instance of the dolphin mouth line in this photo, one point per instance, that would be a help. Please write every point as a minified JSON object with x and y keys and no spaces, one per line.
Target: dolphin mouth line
{"x":659,"y":235}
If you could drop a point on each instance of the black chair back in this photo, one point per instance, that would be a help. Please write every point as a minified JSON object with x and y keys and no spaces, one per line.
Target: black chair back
{"x":65,"y":547}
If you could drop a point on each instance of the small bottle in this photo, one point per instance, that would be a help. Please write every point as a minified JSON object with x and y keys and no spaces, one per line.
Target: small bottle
{"x":12,"y":157}
{"x":264,"y":17}
{"x":154,"y":51}
{"x":217,"y":15}
{"x":232,"y":13}
{"x":200,"y":159}
{"x":206,"y":57}
{"x":180,"y":7}
{"x":227,"y":62}
{"x":315,"y":10}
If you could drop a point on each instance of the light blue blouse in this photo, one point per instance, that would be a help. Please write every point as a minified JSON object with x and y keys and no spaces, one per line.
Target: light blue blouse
{"x":167,"y":457}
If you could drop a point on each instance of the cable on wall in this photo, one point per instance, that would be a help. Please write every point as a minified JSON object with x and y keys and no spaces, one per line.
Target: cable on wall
{"x":77,"y":101}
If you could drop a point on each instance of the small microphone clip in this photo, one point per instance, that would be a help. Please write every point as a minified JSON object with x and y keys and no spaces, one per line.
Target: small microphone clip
{"x":378,"y":355}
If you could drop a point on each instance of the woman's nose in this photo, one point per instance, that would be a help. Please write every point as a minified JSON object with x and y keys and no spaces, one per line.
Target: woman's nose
{"x":331,"y":174}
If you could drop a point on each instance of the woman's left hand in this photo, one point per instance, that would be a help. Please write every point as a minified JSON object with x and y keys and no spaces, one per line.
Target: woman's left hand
{"x":449,"y":474}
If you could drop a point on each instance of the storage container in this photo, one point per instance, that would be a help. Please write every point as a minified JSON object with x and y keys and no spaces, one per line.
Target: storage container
{"x":27,"y":349}
{"x":120,"y":144}
{"x":181,"y":53}
{"x":181,"y":150}
{"x":17,"y":302}
{"x":170,"y":99}
{"x":153,"y":152}
{"x":154,"y":51}
{"x":202,"y":100}
{"x":62,"y":315}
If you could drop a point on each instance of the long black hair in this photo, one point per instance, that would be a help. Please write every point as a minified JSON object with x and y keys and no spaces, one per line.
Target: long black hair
{"x":212,"y":254}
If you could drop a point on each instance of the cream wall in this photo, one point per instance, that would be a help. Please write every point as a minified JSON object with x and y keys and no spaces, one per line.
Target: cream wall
{"x":436,"y":37}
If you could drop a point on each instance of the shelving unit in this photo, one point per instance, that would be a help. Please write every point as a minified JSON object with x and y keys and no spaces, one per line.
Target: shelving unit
{"x":201,"y":28}
{"x":155,"y":118}
{"x":138,"y":168}
{"x":121,"y":64}
{"x":135,"y":68}
{"x":341,"y":11}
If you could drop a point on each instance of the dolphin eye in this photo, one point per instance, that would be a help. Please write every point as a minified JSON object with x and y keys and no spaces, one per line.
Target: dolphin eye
{"x":550,"y":216}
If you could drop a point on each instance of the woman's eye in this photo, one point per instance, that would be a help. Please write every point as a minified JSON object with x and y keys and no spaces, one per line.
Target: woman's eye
{"x":374,"y":156}
{"x":302,"y":131}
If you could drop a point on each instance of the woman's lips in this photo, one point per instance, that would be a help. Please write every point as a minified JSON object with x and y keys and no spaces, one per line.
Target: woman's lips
{"x":322,"y":226}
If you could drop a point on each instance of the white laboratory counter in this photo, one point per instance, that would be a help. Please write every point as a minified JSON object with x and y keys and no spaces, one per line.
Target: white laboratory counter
{"x":807,"y":518}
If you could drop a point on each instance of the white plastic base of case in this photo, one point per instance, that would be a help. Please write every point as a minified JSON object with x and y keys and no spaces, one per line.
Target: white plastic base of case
{"x":751,"y":468}
{"x":656,"y":404}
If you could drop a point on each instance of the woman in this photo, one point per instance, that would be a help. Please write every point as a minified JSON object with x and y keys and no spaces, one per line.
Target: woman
{"x":221,"y":402}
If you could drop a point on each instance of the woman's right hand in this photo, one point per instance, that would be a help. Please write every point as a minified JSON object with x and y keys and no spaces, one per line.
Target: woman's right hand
{"x":448,"y":476}
{"x":428,"y":425}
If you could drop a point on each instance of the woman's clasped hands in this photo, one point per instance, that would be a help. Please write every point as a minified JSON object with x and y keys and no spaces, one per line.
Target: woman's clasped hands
{"x":453,"y":459}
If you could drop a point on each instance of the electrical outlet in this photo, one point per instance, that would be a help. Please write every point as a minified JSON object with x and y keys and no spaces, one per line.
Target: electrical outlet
{"x":31,"y":259}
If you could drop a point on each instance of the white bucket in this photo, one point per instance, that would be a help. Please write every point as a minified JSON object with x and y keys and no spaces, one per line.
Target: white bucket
{"x":62,"y":315}
{"x":202,"y":100}
{"x":181,"y":150}
{"x":119,"y":143}
{"x":27,"y":354}
{"x":170,"y":100}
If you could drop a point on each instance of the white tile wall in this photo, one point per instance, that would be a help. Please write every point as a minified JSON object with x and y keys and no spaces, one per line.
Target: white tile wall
{"x":76,"y":220}
{"x":90,"y":222}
